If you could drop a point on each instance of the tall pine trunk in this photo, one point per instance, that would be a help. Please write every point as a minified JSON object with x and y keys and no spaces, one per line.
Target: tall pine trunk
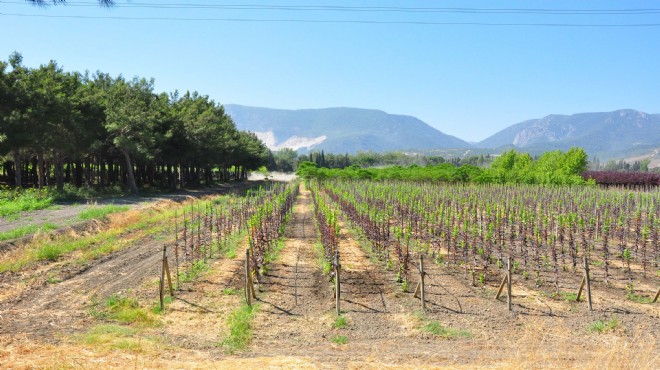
{"x":129,"y":172}
{"x":59,"y":172}
{"x":40,"y":170}
{"x":18,"y":166}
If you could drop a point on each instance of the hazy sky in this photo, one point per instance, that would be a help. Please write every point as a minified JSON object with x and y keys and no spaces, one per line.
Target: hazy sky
{"x":467,"y":80}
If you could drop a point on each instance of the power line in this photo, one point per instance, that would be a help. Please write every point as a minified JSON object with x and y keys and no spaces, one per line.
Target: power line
{"x":340,"y":8}
{"x":428,"y":23}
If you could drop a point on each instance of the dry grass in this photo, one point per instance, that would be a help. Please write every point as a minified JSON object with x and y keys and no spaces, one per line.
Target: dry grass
{"x":125,"y":219}
{"x":541,"y":344}
{"x":554,"y":347}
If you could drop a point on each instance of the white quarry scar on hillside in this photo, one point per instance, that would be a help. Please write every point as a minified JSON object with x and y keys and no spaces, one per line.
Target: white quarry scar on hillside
{"x":294,"y":142}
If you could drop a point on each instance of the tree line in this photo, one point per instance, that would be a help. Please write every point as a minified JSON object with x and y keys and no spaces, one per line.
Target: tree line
{"x":621,"y":165}
{"x":287,"y":160}
{"x":84,"y":129}
{"x":550,"y":168}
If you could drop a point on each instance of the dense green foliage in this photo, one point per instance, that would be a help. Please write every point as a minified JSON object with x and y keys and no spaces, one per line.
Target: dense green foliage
{"x":555,"y":168}
{"x":287,"y":160}
{"x":60,"y":127}
{"x":15,"y":202}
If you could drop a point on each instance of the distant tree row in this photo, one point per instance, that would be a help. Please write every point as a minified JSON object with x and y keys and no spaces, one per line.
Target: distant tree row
{"x":621,"y":165}
{"x":287,"y":160}
{"x":551,"y":168}
{"x":60,"y":127}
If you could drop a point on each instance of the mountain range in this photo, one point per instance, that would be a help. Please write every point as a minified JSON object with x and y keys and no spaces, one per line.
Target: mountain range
{"x":340,"y":130}
{"x":619,"y":134}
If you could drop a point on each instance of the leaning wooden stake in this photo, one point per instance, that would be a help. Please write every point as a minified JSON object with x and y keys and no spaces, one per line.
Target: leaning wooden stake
{"x":165,"y":270}
{"x":501,"y":288}
{"x":337,"y":284}
{"x":506,"y":280}
{"x":586,"y":281}
{"x":656,"y":296}
{"x":579,"y":293}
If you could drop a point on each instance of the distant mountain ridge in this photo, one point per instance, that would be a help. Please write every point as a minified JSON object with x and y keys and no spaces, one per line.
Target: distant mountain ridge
{"x":624,"y":133}
{"x":606,"y":135}
{"x":340,"y":130}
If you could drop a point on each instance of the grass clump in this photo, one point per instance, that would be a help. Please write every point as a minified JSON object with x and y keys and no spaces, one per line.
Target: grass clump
{"x":602,"y":327}
{"x":157,"y":309}
{"x":112,"y":336}
{"x":52,"y":250}
{"x":436,"y":328}
{"x":20,"y":232}
{"x":565,"y":296}
{"x":340,"y":339}
{"x":124,"y":310}
{"x":340,"y":322}
{"x":13,"y":202}
{"x":639,"y":298}
{"x":116,"y":337}
{"x":99,"y":213}
{"x":239,"y":322}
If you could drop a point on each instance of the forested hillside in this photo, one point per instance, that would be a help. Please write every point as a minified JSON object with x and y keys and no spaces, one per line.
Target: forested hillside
{"x":606,"y":135}
{"x":60,"y":127}
{"x":341,"y":130}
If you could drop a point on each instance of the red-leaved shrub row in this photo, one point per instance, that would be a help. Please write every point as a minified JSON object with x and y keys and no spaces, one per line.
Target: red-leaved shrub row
{"x":623,"y":178}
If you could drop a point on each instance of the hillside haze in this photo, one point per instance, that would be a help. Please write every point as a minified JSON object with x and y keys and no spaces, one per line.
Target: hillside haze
{"x":606,"y":135}
{"x":340,"y":130}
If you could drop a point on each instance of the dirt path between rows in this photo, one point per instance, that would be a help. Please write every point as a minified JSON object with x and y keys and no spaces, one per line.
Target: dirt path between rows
{"x":298,"y":308}
{"x":294,"y":311}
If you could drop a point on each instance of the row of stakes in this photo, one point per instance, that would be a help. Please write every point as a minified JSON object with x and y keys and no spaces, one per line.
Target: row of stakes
{"x":586,"y":282}
{"x":419,"y":289}
{"x":249,"y":284}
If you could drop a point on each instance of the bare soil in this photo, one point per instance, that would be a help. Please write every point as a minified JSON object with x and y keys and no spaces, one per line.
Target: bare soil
{"x":293,"y":327}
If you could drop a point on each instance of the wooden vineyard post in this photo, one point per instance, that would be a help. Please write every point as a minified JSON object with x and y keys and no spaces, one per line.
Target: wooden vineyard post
{"x":420,"y":290}
{"x":337,"y":284}
{"x":656,"y":296}
{"x":176,"y":250}
{"x":585,"y":281}
{"x":421,"y":281}
{"x":249,"y":288}
{"x":506,"y":281}
{"x":165,"y":271}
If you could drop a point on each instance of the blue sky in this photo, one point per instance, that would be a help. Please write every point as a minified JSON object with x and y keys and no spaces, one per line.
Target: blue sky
{"x":465,"y":80}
